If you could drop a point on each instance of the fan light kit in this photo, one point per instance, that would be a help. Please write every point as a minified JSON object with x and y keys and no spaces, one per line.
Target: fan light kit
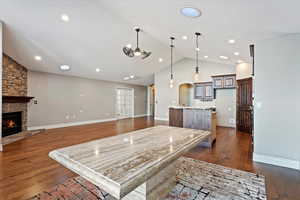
{"x":128,"y":51}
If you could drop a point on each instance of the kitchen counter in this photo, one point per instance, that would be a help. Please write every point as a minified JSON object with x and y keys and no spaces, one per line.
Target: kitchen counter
{"x":194,"y":108}
{"x":194,"y":118}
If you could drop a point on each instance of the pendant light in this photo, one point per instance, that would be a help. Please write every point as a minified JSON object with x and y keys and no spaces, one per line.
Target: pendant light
{"x":172,"y":78}
{"x":196,"y":75}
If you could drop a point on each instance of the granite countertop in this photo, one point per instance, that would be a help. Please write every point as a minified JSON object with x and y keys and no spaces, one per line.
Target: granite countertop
{"x":121,"y":163}
{"x":183,"y":107}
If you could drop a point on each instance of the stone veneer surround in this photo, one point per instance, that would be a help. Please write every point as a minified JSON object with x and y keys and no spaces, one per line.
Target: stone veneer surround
{"x":14,"y":83}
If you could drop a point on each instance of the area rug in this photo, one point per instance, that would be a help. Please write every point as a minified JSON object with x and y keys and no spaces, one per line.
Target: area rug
{"x":196,"y":180}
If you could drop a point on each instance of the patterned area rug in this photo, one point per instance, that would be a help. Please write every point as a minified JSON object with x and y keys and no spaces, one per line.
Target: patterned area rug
{"x":197,"y":180}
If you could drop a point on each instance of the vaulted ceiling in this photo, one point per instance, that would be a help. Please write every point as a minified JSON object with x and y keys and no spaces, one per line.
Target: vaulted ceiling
{"x":98,"y":29}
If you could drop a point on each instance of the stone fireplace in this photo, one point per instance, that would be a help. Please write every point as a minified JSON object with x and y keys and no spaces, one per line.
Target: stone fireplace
{"x":14,"y":84}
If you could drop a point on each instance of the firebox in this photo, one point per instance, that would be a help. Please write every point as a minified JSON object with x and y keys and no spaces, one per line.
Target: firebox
{"x":11,"y":123}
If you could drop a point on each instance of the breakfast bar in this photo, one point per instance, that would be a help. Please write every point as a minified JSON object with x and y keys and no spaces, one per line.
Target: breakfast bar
{"x":135,"y":165}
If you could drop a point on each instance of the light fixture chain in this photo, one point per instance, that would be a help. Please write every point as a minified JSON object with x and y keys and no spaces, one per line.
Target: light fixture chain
{"x":197,"y":51}
{"x":137,"y":38}
{"x":172,"y":46}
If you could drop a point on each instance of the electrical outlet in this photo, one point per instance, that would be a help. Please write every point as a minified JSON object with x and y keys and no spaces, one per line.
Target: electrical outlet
{"x":231,"y":121}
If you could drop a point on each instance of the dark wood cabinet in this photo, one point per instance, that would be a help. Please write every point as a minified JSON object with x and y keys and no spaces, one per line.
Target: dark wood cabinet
{"x":204,"y":91}
{"x":224,"y":81}
{"x":176,"y":117}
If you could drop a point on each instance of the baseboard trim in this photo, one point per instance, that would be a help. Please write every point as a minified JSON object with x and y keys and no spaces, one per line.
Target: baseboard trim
{"x":161,"y":119}
{"x":68,"y":124}
{"x":278,"y":161}
{"x":142,"y":115}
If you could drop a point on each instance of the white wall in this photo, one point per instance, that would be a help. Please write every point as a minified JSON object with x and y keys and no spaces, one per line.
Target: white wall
{"x":1,"y":66}
{"x":243,"y":70}
{"x":74,"y":100}
{"x":226,"y":107}
{"x":277,"y":98}
{"x":183,"y":73}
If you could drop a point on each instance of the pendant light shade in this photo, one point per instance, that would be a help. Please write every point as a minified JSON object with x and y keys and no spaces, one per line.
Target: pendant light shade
{"x":172,"y":77}
{"x":196,"y":75}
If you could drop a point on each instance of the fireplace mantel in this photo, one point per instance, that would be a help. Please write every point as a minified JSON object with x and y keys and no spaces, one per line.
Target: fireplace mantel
{"x":16,"y":99}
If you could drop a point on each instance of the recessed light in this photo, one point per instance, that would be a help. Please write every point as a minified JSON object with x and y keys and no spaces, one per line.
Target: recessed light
{"x":98,"y":70}
{"x":184,"y":37}
{"x":38,"y":58}
{"x":205,"y":56}
{"x":224,"y":57}
{"x":65,"y":18}
{"x":126,"y":78}
{"x":190,"y":12}
{"x":129,"y":46}
{"x":160,"y":60}
{"x":131,"y":76}
{"x":231,"y":41}
{"x":240,"y":61}
{"x":236,"y":53}
{"x":64,"y":67}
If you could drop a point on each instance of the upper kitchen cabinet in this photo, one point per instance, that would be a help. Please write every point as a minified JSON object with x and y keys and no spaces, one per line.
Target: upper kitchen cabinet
{"x":204,"y":91}
{"x":224,"y":81}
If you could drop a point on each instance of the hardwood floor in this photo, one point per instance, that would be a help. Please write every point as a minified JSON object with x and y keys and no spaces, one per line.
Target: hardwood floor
{"x":26,"y":169}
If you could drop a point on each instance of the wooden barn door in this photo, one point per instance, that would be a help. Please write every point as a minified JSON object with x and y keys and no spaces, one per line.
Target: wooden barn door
{"x":244,"y":106}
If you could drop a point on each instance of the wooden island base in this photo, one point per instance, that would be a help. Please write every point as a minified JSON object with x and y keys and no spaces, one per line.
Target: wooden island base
{"x":195,"y":118}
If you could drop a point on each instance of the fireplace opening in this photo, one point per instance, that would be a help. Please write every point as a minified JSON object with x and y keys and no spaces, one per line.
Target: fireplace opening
{"x":11,"y":123}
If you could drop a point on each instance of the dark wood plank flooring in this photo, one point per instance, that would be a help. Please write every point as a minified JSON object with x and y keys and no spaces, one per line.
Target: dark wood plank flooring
{"x":26,"y":169}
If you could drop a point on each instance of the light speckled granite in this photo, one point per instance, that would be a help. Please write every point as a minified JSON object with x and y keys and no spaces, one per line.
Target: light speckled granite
{"x":121,"y":163}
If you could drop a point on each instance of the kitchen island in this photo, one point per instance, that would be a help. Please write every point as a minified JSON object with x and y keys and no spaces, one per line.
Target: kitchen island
{"x":139,"y":165}
{"x":195,"y":118}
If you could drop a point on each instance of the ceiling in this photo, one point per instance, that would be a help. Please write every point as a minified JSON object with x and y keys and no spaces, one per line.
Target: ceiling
{"x":98,"y":29}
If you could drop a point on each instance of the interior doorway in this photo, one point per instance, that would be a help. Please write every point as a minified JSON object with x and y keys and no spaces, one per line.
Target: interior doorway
{"x":152,"y":100}
{"x":244,"y":117}
{"x":185,"y":94}
{"x":124,"y":103}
